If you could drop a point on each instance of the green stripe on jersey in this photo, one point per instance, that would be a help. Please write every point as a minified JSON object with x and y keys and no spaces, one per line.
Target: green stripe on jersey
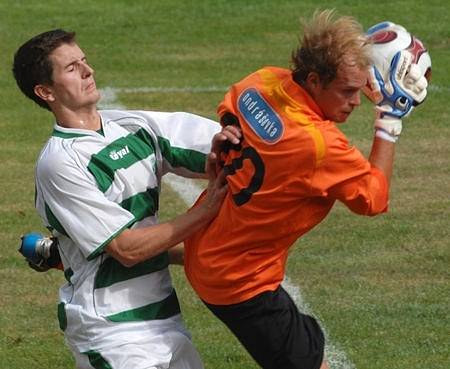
{"x":120,"y":154}
{"x":62,"y":318}
{"x":60,"y":134}
{"x":97,"y":360}
{"x":159,"y":310}
{"x":186,"y":158}
{"x":99,"y":249}
{"x":53,"y":221}
{"x":68,"y":273}
{"x":111,"y":271}
{"x":143,"y":204}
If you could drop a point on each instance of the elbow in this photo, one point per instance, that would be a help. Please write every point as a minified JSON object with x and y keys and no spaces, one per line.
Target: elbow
{"x":369,"y":208}
{"x":126,"y":260}
{"x":378,"y":209}
{"x":374,"y":212}
{"x":122,"y":254}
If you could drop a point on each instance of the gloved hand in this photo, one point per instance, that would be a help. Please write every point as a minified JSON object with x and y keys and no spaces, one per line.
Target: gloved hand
{"x":405,"y":88}
{"x":40,"y":252}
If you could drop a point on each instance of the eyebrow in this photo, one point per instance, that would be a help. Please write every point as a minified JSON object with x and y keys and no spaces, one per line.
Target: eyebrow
{"x":75,"y":61}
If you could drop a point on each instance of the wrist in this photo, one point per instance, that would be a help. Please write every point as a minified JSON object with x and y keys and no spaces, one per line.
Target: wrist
{"x":389,"y":124}
{"x":384,"y":135}
{"x":203,"y":213}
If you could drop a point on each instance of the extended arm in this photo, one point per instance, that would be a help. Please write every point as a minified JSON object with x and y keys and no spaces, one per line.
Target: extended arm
{"x":382,"y":156}
{"x":136,"y":245}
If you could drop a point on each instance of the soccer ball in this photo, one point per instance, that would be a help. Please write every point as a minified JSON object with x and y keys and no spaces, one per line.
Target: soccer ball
{"x":390,"y":43}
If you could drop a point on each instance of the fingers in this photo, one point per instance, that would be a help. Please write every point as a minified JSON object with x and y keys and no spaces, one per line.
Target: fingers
{"x":372,"y":89}
{"x":210,"y":166}
{"x":414,"y":73}
{"x":229,"y":133}
{"x":221,"y":178}
{"x":220,"y":186}
{"x":416,"y":83}
{"x":232,"y":134}
{"x":217,"y":189}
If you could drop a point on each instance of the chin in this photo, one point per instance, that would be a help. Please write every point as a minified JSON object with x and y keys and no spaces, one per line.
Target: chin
{"x":96,"y":97}
{"x":342,"y":118}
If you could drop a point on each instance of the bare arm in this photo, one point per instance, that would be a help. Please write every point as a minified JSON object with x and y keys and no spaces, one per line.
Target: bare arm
{"x":136,"y":245}
{"x":133,"y":246}
{"x":382,"y":156}
{"x":176,"y":254}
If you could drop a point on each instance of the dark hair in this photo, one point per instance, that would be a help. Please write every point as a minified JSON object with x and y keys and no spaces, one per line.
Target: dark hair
{"x":32,"y":65}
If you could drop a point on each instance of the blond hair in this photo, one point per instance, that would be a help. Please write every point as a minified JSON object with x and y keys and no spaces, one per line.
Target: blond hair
{"x":328,"y":42}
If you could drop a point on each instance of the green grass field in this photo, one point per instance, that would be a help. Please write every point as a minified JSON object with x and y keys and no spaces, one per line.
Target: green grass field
{"x":381,"y":286}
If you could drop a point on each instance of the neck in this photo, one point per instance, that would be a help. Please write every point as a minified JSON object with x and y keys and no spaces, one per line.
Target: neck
{"x":85,"y":119}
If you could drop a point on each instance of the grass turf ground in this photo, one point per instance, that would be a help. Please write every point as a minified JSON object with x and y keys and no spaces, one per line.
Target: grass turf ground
{"x":380,"y":285}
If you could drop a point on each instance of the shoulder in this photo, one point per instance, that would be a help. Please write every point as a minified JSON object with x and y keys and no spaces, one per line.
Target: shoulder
{"x":133,"y":119}
{"x":55,"y":157}
{"x":129,"y":120}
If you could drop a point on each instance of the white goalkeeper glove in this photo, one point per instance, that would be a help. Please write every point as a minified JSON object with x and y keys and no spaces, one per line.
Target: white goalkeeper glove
{"x":405,"y":88}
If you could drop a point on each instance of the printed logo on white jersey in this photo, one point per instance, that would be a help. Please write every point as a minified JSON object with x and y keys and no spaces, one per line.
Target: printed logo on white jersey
{"x":119,"y":154}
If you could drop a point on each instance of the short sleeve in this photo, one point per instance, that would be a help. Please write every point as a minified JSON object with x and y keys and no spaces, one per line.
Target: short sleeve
{"x":184,"y":140}
{"x":70,"y":202}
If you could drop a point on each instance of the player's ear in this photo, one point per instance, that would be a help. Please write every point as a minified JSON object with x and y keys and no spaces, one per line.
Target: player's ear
{"x":44,"y":92}
{"x":312,"y":83}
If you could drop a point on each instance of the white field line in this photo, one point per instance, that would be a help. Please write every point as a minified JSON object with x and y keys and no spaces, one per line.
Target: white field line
{"x":110,"y":100}
{"x":109,"y":94}
{"x":189,"y":190}
{"x":438,"y":88}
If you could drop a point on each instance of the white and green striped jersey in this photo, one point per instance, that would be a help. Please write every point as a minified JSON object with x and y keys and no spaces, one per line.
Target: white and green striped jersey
{"x":90,"y":186}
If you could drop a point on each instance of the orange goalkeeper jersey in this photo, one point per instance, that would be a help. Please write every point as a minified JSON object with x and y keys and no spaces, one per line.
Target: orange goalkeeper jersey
{"x":284,"y":177}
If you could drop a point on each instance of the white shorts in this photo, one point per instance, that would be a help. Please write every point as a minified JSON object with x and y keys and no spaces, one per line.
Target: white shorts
{"x":173,"y":350}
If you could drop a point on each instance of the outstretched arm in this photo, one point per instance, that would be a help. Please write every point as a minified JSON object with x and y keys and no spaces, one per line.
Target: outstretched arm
{"x":136,"y":245}
{"x":176,"y":254}
{"x":382,"y":156}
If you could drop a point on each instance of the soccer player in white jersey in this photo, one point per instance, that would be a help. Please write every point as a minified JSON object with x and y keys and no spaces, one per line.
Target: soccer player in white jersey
{"x":97,"y":184}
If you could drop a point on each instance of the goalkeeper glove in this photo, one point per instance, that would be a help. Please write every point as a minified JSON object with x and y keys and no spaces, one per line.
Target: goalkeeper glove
{"x":405,"y":88}
{"x":40,"y":252}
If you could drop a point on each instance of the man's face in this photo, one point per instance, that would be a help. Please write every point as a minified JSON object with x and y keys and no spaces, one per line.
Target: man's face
{"x":339,"y":97}
{"x":73,"y":79}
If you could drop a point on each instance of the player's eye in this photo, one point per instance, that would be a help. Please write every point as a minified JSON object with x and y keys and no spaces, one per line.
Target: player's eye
{"x":350,"y":91}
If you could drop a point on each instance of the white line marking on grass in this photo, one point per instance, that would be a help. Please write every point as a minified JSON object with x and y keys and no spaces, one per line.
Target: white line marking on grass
{"x":337,"y":359}
{"x":438,"y":88}
{"x":186,"y":188}
{"x":174,"y":89}
{"x":109,"y":98}
{"x":189,"y":190}
{"x":109,"y":94}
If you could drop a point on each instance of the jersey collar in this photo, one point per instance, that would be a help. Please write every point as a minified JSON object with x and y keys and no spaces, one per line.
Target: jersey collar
{"x":63,"y":132}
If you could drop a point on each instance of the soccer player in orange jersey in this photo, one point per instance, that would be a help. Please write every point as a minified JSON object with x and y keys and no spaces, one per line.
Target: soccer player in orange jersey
{"x":291,"y":166}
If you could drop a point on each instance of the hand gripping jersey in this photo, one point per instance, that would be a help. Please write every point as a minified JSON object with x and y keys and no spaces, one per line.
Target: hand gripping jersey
{"x":284,"y":177}
{"x":90,"y":187}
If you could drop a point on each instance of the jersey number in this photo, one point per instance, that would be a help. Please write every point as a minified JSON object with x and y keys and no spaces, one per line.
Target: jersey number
{"x":245,"y":194}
